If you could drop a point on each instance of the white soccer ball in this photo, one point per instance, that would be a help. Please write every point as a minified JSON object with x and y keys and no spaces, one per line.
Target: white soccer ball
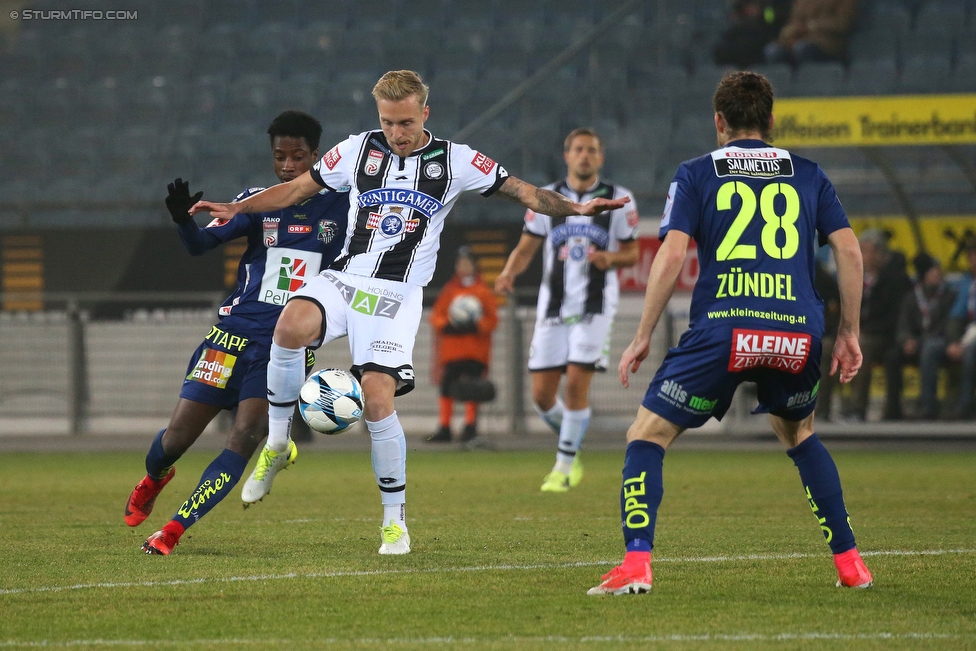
{"x":331,"y":401}
{"x":464,"y":310}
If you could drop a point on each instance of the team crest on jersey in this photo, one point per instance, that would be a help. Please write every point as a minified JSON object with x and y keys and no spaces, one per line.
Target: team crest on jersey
{"x":391,"y":223}
{"x":576,"y":252}
{"x":374,"y":160}
{"x":271,"y":231}
{"x":483,"y":163}
{"x":327,"y":231}
{"x":433,"y":170}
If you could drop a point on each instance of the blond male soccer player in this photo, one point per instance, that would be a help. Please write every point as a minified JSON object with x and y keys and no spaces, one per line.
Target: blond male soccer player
{"x":577,"y":298}
{"x":403,"y":183}
{"x":757,"y":213}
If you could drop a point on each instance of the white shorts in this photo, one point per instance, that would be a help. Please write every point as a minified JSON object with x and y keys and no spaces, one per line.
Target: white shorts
{"x":380,"y":317}
{"x":585,"y":342}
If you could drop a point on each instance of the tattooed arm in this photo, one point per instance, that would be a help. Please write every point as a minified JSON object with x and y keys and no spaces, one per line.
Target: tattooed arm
{"x":551,"y":203}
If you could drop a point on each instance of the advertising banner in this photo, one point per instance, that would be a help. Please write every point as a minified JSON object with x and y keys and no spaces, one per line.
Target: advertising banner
{"x":873,"y":121}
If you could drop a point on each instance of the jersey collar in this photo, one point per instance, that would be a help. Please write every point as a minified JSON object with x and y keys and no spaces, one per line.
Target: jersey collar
{"x":420,"y":150}
{"x":747,"y":143}
{"x":579,"y":195}
{"x":386,"y":143}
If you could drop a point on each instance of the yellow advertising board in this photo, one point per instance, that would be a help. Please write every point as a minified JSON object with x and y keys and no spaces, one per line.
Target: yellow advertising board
{"x":942,"y":235}
{"x":872,"y":121}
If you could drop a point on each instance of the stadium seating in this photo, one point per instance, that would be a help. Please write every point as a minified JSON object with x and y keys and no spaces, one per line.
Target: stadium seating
{"x":194,"y":72}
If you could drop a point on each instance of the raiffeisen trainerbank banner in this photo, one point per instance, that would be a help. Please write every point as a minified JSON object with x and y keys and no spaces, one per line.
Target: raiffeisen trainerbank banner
{"x":871,"y":121}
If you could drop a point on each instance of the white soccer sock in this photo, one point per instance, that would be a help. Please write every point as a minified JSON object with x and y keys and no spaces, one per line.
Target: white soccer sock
{"x":395,"y":513}
{"x":571,"y":436}
{"x":390,"y":466}
{"x":554,"y":417}
{"x":286,"y":373}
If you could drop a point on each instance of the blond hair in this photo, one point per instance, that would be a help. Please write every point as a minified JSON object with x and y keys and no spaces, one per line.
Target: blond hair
{"x":397,"y":85}
{"x":582,"y":131}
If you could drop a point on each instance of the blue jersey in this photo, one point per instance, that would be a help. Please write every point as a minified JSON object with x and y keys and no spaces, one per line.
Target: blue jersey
{"x":284,"y":248}
{"x":755,"y":212}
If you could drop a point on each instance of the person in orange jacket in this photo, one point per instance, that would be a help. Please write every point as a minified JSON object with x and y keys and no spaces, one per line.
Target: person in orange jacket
{"x":463,"y":343}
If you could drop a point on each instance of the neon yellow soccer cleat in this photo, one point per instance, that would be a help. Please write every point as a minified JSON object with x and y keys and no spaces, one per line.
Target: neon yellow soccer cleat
{"x":269,"y":464}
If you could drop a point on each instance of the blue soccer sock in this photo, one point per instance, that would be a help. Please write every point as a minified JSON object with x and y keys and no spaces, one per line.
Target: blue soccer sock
{"x":158,"y":462}
{"x":217,"y":481}
{"x":641,"y":493}
{"x":822,"y":484}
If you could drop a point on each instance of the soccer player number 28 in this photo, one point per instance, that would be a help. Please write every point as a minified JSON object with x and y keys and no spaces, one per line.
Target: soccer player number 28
{"x":730,"y":249}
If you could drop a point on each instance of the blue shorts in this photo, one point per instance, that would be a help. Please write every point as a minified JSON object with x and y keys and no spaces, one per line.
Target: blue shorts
{"x":228,"y":368}
{"x":698,"y":377}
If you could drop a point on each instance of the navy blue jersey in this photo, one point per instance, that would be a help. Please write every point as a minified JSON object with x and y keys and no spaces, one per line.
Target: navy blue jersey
{"x":758,"y":214}
{"x":284,"y":248}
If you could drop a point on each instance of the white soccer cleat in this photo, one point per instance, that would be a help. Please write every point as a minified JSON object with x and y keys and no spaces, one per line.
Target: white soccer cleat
{"x":396,"y":541}
{"x":269,"y":464}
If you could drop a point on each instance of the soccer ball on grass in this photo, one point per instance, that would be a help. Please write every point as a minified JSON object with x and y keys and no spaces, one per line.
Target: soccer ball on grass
{"x":331,"y":401}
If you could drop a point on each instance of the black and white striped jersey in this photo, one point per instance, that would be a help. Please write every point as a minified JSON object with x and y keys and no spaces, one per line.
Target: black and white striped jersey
{"x":397,"y":205}
{"x":571,"y":286}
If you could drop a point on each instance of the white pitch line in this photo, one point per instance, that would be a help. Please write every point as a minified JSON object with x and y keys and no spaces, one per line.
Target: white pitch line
{"x":552,"y":639}
{"x":445,"y":570}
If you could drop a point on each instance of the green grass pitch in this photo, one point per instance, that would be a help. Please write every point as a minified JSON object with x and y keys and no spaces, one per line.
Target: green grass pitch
{"x":739,"y":561}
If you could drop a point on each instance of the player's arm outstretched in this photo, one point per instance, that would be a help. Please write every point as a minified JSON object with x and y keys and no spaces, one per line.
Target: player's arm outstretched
{"x":850,"y":282}
{"x":276,"y":197}
{"x":660,"y":285}
{"x":552,"y":203}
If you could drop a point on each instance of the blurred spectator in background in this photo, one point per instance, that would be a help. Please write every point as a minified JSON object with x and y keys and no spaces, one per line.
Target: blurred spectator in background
{"x":885,"y":284}
{"x":963,"y":335}
{"x":818,"y":30}
{"x":752,"y":25}
{"x":922,"y":332}
{"x":463,"y":317}
{"x":826,"y":286}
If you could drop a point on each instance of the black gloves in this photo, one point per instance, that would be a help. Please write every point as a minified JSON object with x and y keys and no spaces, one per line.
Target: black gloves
{"x":179,"y":201}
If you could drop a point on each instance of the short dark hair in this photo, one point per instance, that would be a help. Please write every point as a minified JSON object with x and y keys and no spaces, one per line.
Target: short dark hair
{"x":582,"y":131}
{"x":745,"y":100}
{"x":295,"y":124}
